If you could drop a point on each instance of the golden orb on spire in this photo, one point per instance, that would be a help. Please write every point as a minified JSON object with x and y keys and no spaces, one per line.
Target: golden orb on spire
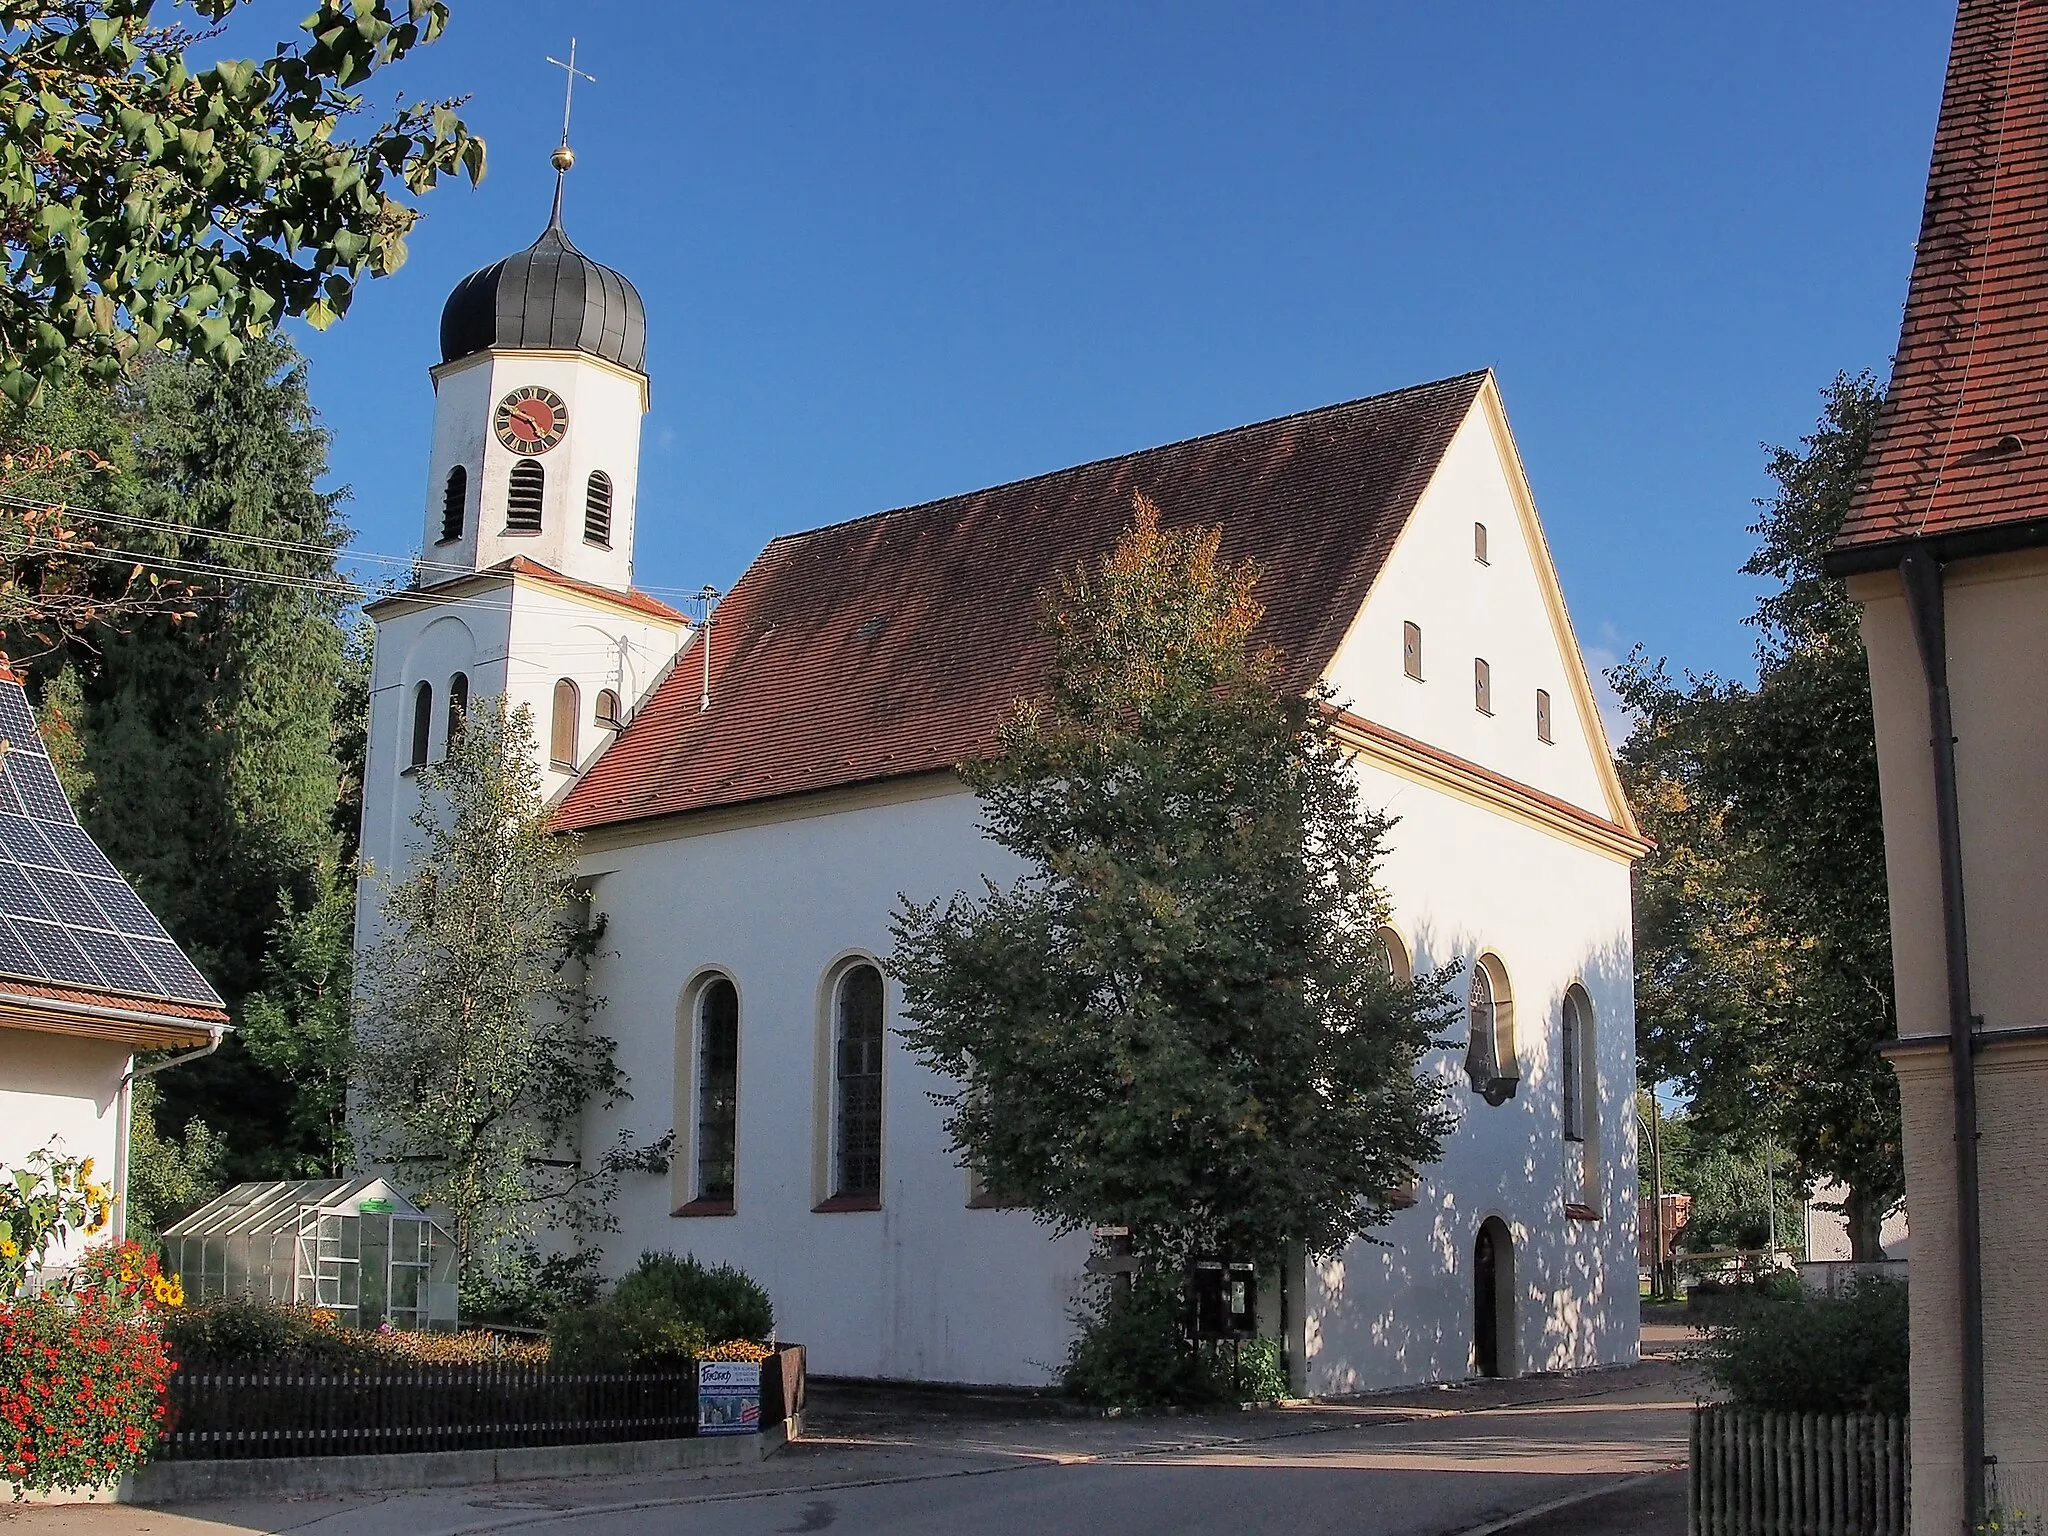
{"x":563,"y":157}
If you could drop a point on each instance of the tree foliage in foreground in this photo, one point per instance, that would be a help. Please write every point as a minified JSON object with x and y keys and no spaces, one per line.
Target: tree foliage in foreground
{"x":476,"y":1052}
{"x":147,"y":203}
{"x":1763,"y":938}
{"x":1181,"y":1019}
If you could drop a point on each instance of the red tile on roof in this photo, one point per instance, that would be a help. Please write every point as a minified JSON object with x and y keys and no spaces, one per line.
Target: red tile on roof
{"x":121,"y":1002}
{"x":1962,"y":442}
{"x":895,"y":643}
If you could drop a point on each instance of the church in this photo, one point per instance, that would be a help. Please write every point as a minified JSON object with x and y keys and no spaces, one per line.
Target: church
{"x":753,"y":795}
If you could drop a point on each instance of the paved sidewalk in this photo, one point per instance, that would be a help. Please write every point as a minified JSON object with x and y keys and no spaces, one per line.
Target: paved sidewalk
{"x":1437,"y":1460}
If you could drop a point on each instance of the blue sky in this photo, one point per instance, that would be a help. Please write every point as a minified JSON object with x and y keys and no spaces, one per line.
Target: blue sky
{"x":892,"y":250}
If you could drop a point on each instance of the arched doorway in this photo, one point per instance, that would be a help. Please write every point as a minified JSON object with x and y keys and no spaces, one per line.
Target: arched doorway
{"x":1493,"y":1299}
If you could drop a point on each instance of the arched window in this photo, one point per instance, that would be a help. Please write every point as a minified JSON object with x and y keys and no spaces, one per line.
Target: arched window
{"x":562,"y":726}
{"x":1398,"y":963}
{"x":1411,"y":650}
{"x":857,"y":1085}
{"x":1482,"y":687}
{"x":1490,"y":1042}
{"x":458,"y":705}
{"x":1580,"y":1064}
{"x":1569,"y":1070}
{"x":718,"y":1090}
{"x":597,"y":510}
{"x":607,"y":712}
{"x":1479,"y":544}
{"x":1542,"y":715}
{"x":422,"y":722}
{"x":522,"y":500}
{"x":454,"y":504}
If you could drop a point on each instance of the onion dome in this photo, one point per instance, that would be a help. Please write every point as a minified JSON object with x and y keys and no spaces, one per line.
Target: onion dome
{"x":549,"y":297}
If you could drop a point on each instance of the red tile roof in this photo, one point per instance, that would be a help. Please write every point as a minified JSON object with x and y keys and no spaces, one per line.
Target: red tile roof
{"x":895,"y":643}
{"x":1961,"y":447}
{"x":519,"y":565}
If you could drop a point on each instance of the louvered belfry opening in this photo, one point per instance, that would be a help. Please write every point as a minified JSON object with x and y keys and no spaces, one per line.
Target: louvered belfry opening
{"x":454,"y":501}
{"x":523,"y":498}
{"x":597,"y":510}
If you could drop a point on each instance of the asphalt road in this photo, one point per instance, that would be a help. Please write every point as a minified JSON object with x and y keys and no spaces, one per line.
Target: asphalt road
{"x":1580,"y":1456}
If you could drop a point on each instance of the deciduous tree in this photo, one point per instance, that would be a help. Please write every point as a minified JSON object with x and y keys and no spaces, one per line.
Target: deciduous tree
{"x":1763,"y":935}
{"x":1181,"y":1019}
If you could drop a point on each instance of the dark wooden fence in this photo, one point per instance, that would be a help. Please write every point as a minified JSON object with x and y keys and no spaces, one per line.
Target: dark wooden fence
{"x":293,"y":1412}
{"x":1797,"y":1474}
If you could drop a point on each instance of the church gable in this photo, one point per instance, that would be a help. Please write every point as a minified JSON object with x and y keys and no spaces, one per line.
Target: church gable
{"x":1464,"y":642}
{"x":894,"y":644}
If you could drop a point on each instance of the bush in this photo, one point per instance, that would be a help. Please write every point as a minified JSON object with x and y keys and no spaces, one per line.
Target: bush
{"x":243,"y":1331}
{"x":1808,"y":1353}
{"x":721,"y":1300}
{"x":82,"y":1373}
{"x":662,"y":1316}
{"x":526,"y":1290}
{"x":1133,"y":1351}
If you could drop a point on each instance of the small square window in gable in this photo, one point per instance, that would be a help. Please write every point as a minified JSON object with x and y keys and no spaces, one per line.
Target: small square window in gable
{"x":1411,"y":650}
{"x":1482,"y":687}
{"x":1479,"y":544}
{"x":1542,"y":715}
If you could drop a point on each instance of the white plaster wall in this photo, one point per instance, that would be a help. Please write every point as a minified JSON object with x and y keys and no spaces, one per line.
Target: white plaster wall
{"x":923,"y":1288}
{"x":1464,"y":881}
{"x":62,"y":1087}
{"x":1467,"y":611}
{"x":514,"y":640}
{"x":928,"y":1289}
{"x":605,"y":405}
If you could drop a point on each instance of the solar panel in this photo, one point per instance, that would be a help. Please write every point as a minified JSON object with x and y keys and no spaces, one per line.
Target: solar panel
{"x":66,"y":915}
{"x":35,"y":781}
{"x":61,"y":959}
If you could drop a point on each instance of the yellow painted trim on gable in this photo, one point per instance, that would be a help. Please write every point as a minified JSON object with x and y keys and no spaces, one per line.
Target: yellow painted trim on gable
{"x":1579,"y":679}
{"x":1476,"y":786}
{"x":469,"y":586}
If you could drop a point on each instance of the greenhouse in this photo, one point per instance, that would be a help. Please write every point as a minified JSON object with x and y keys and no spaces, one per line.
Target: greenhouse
{"x":354,"y":1246}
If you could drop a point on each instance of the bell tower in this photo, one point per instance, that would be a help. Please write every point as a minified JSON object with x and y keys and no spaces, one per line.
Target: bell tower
{"x":537,"y":405}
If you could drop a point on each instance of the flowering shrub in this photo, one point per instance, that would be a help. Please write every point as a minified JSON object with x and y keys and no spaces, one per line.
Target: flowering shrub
{"x":41,"y":1204}
{"x":83,"y":1371}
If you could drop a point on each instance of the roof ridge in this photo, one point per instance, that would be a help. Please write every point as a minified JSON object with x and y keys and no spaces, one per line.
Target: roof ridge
{"x":1117,"y":458}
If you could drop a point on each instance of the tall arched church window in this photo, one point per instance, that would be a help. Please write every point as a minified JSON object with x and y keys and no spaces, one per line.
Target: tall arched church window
{"x":607,"y":711}
{"x":597,"y":510}
{"x":1411,"y":650}
{"x":523,"y":498}
{"x":562,"y":726}
{"x":458,"y":705}
{"x":857,"y":1085}
{"x":1543,"y":715}
{"x":422,"y":722}
{"x":1580,"y":1065}
{"x":454,"y":504}
{"x":1398,"y":964}
{"x":1482,"y":687}
{"x":1490,"y":1042}
{"x":718,"y":1090}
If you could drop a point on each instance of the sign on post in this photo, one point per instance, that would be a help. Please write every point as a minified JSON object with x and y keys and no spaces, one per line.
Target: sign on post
{"x":728,"y":1397}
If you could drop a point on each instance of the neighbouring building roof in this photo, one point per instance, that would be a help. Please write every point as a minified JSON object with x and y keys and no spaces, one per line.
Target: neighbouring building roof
{"x":894,"y":644}
{"x":1960,"y":454}
{"x":519,"y":565}
{"x":74,"y":937}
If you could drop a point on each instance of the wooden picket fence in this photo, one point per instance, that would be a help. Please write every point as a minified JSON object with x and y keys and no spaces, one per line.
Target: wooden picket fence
{"x":1796,"y":1474}
{"x":294,"y":1412}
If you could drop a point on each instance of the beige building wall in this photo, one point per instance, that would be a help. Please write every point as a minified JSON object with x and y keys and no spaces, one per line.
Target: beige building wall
{"x":1997,"y":616}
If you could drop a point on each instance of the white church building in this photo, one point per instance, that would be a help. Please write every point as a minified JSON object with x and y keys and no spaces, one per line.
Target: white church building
{"x":748,"y":827}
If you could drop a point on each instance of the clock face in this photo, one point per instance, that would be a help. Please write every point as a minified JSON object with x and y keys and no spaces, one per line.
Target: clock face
{"x":531,"y":419}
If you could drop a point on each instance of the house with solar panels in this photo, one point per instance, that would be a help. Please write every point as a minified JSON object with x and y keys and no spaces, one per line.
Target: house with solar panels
{"x":755,"y":797}
{"x":89,"y":981}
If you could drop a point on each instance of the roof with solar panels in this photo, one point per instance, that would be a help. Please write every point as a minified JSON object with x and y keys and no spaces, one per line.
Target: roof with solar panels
{"x":79,"y":952}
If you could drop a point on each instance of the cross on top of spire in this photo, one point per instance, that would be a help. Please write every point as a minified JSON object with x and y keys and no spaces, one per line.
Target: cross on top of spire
{"x":564,"y":156}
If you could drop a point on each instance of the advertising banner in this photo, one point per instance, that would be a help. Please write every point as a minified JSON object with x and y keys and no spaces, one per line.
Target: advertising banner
{"x":728,"y":1397}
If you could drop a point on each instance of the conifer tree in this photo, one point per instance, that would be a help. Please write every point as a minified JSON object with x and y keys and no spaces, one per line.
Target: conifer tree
{"x":1181,"y":1020}
{"x":476,"y":1051}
